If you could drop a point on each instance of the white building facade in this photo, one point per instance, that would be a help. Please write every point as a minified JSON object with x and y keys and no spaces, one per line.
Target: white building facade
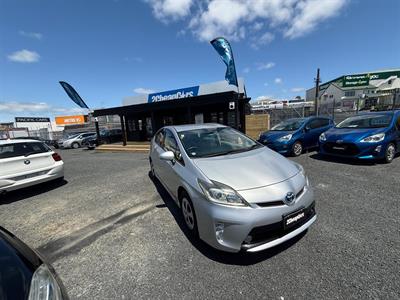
{"x":365,"y":91}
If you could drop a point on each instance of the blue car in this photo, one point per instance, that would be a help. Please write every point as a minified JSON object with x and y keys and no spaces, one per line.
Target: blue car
{"x":293,"y":136}
{"x":374,"y":135}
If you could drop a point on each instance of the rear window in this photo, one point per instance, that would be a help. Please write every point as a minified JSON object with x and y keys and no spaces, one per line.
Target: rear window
{"x":22,"y":149}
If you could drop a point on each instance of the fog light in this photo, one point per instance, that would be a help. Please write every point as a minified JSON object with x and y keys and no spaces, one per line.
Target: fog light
{"x":219,"y":231}
{"x":378,"y":148}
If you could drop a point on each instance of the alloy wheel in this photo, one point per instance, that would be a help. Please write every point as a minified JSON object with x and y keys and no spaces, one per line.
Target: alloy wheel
{"x":188,"y":213}
{"x":390,"y":153}
{"x":297,"y":148}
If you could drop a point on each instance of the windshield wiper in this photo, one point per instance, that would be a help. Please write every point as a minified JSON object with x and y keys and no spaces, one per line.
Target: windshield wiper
{"x":232,"y":151}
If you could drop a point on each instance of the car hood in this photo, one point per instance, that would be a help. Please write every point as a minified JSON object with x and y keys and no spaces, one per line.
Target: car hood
{"x":247,"y":170}
{"x":274,"y":135}
{"x":351,"y":134}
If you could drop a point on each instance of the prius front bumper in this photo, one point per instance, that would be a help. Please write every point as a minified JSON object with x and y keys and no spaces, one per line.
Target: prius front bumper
{"x":250,"y":228}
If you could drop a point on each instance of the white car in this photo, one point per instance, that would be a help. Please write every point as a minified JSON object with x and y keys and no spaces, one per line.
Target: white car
{"x":75,"y":141}
{"x":27,"y":162}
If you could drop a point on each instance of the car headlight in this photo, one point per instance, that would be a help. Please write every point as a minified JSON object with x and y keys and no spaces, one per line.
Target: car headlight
{"x":220,"y":193}
{"x":322,"y":137}
{"x":44,"y":286}
{"x":285,"y":138}
{"x":374,"y":138}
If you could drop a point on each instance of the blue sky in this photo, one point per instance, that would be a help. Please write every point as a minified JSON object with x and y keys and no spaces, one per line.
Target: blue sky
{"x":110,"y":49}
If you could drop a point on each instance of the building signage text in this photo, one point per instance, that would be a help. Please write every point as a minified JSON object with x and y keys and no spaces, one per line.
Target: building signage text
{"x":174,"y":94}
{"x":31,"y":119}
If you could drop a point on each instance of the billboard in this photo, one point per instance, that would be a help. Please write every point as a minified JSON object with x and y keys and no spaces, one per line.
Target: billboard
{"x":363,"y":79}
{"x":70,"y":120}
{"x":173,"y":94}
{"x":31,"y":119}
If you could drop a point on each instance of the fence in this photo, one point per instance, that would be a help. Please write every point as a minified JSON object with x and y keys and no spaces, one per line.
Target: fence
{"x":338,"y":115}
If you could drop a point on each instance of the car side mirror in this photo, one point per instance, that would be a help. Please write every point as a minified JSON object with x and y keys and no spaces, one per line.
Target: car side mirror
{"x":306,"y":128}
{"x":168,"y":155}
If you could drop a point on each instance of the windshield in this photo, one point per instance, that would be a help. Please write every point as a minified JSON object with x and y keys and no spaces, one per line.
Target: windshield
{"x":289,"y":125}
{"x":72,"y":136}
{"x":215,"y":142}
{"x":366,"y":121}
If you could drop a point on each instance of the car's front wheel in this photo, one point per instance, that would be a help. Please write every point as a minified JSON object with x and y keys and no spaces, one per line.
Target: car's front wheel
{"x":390,"y":153}
{"x":75,"y":145}
{"x":297,"y":148}
{"x":189,"y":216}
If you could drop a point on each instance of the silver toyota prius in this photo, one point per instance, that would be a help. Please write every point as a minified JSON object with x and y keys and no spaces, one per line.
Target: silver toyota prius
{"x":234,"y":193}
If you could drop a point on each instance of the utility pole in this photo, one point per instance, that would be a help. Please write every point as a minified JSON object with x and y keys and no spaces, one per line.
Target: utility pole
{"x":317,"y":82}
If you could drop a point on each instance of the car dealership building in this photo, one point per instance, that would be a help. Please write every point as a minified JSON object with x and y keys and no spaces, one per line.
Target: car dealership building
{"x":141,"y":116}
{"x":365,"y":90}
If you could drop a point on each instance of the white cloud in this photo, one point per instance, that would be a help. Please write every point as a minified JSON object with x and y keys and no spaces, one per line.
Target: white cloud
{"x":140,"y":90}
{"x":264,"y":97}
{"x":265,"y":66}
{"x":262,"y":40}
{"x":297,"y":89}
{"x":33,"y":35}
{"x":265,"y":83}
{"x":166,"y":10}
{"x":257,"y":26}
{"x":239,"y":19}
{"x":24,"y":56}
{"x":246,"y":70}
{"x":310,"y":13}
{"x":278,"y":80}
{"x":34,"y":108}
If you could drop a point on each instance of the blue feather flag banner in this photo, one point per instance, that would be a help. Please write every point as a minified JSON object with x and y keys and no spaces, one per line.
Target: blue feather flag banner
{"x":73,"y":94}
{"x":222,"y":46}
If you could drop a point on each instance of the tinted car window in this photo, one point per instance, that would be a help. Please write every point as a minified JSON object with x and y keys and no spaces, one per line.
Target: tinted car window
{"x":21,"y":149}
{"x":314,"y":124}
{"x":398,"y":123}
{"x":159,"y":139}
{"x":170,"y":143}
{"x":323,"y":122}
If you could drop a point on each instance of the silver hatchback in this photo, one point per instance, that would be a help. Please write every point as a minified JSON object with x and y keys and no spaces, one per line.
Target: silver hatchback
{"x":234,"y":193}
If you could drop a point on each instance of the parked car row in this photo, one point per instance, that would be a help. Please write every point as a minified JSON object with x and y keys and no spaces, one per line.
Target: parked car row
{"x":374,"y":135}
{"x":90,"y":139}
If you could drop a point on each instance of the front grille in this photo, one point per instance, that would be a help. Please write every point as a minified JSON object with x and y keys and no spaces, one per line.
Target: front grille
{"x":349,"y":149}
{"x":267,"y":233}
{"x":272,"y":203}
{"x":278,"y":202}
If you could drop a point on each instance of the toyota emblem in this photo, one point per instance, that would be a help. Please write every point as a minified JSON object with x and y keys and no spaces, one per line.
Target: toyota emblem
{"x":289,"y":199}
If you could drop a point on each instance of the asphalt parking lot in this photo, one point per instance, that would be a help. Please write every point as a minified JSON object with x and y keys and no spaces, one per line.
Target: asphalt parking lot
{"x":111,"y":233}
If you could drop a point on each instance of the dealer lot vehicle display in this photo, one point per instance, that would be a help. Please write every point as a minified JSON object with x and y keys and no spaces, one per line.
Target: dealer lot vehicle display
{"x":233,"y":192}
{"x":25,"y":163}
{"x":75,"y":141}
{"x":293,"y":136}
{"x":24,"y":274}
{"x":374,"y":135}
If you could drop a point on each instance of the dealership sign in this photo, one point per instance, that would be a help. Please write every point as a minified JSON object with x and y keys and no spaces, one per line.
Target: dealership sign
{"x":174,"y":94}
{"x":69,"y":120}
{"x":364,"y":79}
{"x":30,"y":119}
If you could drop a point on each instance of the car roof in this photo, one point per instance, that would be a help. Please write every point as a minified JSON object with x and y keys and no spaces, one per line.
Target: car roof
{"x":186,"y":127}
{"x":17,"y":141}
